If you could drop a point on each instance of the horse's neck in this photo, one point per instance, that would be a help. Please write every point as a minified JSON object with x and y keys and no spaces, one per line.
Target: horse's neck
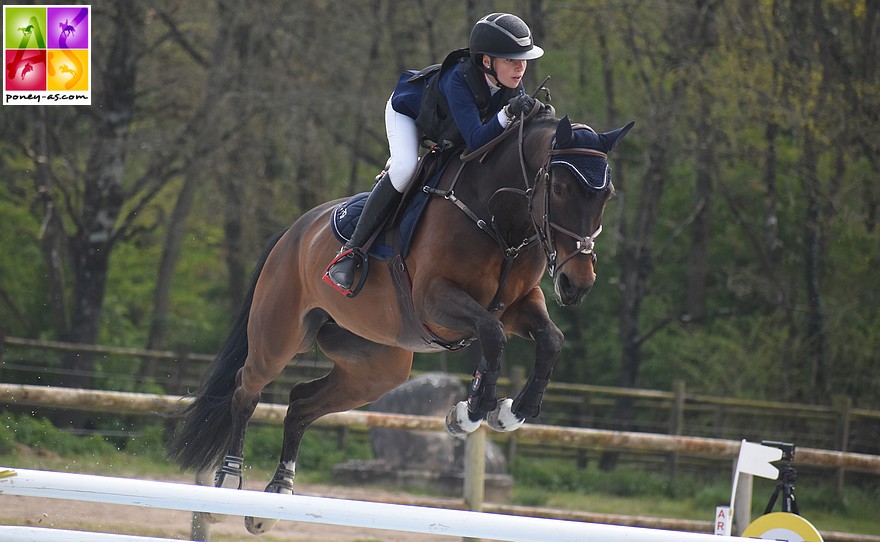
{"x":504,"y":179}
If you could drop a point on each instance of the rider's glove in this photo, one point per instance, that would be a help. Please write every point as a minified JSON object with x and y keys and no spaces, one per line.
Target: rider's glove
{"x":518,"y":105}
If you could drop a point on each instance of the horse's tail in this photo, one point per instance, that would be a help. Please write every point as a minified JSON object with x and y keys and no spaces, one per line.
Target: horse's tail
{"x":205,"y":426}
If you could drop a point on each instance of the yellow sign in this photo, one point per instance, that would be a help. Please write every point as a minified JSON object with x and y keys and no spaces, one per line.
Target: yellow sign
{"x":782,"y":526}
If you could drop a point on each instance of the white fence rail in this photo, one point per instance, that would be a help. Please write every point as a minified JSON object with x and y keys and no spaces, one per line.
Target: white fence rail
{"x":368,"y":515}
{"x":147,"y":404}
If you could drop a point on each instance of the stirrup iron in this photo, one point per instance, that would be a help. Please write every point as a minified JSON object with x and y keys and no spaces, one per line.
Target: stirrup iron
{"x":363,"y":265}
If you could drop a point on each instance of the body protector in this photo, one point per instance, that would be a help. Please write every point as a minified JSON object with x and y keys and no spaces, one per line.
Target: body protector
{"x":435,"y":121}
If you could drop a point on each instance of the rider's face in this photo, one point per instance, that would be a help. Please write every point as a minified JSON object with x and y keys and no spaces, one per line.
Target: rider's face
{"x":510,"y":72}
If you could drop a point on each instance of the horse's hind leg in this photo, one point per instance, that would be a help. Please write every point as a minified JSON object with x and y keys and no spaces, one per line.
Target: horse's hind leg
{"x":249,"y":385}
{"x":270,"y":347}
{"x":244,"y":402}
{"x":362,"y":373}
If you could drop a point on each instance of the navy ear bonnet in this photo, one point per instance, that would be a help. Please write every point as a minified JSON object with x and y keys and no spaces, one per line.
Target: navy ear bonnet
{"x":593,"y":171}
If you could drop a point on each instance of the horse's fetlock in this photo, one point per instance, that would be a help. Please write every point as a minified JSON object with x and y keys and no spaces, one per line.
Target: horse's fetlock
{"x":482,"y":394}
{"x":282,"y":481}
{"x":528,"y":403}
{"x":230,"y":471}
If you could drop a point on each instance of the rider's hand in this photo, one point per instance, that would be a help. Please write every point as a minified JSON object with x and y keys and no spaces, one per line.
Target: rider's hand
{"x":518,"y":105}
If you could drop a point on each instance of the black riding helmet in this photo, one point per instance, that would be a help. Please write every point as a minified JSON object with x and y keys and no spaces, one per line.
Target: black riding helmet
{"x":502,"y":35}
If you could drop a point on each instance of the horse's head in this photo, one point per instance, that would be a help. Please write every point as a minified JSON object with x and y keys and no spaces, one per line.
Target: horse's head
{"x":570,"y":197}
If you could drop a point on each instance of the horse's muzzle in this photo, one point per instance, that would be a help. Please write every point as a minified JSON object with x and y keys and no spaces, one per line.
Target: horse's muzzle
{"x":570,"y":291}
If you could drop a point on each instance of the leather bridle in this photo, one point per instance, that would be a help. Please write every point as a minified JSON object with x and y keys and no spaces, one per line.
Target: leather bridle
{"x":545,"y":231}
{"x":583,"y":244}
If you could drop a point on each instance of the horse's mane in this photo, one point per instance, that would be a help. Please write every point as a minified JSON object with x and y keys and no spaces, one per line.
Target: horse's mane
{"x":536,"y":134}
{"x":501,"y":167}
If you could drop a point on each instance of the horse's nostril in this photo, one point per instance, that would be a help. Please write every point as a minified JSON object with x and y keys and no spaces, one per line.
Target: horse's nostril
{"x":564,"y":282}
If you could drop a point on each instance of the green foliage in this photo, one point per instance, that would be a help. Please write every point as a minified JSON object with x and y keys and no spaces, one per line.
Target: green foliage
{"x":318,"y":452}
{"x":40,"y":433}
{"x":558,"y":475}
{"x":7,"y":437}
{"x":274,"y":149}
{"x":634,"y":491}
{"x":150,"y":443}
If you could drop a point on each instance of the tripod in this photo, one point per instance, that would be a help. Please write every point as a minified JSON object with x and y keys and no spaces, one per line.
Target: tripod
{"x":787,"y":479}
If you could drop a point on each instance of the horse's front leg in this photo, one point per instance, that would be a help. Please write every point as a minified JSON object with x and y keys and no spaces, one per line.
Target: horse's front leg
{"x":465,"y":416}
{"x":448,"y":306}
{"x":529,"y":319}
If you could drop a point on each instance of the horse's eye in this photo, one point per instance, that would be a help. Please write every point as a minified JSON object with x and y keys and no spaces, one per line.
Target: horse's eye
{"x":557,"y":189}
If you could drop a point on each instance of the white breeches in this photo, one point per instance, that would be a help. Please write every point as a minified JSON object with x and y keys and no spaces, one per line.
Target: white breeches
{"x":403,"y":142}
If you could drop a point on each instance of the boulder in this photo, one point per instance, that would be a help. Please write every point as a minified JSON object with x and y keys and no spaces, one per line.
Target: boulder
{"x":425,"y":459}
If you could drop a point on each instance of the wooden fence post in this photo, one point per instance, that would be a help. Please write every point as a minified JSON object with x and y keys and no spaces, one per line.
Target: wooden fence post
{"x":201,"y":527}
{"x":517,"y":380}
{"x":183,"y":353}
{"x":475,"y":471}
{"x":676,"y":420}
{"x":843,"y":426}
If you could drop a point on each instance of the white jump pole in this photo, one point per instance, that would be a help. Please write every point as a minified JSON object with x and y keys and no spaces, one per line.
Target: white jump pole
{"x":415,"y":519}
{"x":44,"y":534}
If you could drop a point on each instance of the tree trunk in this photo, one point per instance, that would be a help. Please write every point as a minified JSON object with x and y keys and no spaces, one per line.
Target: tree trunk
{"x":52,"y":235}
{"x":635,"y":268}
{"x":158,"y":335}
{"x":103,"y":197}
{"x":204,"y":129}
{"x":535,"y":20}
{"x":704,"y":41}
{"x":813,"y":252}
{"x":698,"y":254}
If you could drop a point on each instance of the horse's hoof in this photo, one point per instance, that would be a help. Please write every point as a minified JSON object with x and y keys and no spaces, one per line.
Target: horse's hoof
{"x":503,"y":419}
{"x":259,"y":525}
{"x":458,"y":423}
{"x":264,"y":525}
{"x":213,"y":518}
{"x":229,"y":477}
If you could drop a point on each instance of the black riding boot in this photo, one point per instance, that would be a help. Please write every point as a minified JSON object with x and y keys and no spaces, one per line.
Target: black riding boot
{"x":379,"y":203}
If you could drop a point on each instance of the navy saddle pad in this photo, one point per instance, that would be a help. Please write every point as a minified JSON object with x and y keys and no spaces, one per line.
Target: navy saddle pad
{"x":345,"y":216}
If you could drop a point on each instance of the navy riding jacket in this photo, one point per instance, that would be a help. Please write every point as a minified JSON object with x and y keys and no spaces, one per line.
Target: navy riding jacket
{"x":407,"y":100}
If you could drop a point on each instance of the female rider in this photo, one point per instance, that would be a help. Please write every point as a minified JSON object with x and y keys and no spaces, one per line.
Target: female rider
{"x":469,"y":99}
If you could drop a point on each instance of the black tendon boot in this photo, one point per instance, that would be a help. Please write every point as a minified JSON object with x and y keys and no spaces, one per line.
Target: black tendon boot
{"x":383,"y":198}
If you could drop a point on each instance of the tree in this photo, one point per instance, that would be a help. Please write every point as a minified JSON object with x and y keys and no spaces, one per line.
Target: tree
{"x":208,"y":130}
{"x":99,"y":223}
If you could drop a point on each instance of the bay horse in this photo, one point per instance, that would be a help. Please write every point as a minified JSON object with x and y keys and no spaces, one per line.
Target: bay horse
{"x":531,"y":200}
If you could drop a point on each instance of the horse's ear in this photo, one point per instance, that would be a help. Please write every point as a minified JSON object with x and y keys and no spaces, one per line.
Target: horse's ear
{"x":563,"y":133}
{"x":610,"y":139}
